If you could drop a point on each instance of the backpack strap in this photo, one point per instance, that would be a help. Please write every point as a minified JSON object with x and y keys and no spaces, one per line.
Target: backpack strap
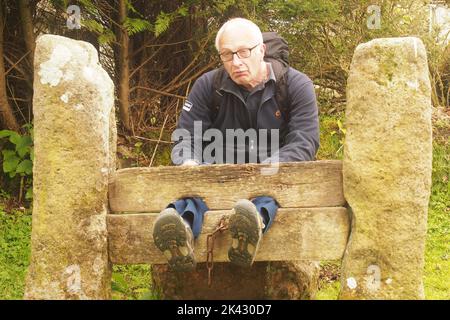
{"x":277,"y":53}
{"x":216,"y":95}
{"x":281,"y":90}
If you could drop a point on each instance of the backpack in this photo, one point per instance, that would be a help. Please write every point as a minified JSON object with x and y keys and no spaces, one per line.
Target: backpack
{"x":277,"y":53}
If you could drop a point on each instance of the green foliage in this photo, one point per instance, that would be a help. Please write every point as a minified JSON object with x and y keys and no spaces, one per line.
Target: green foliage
{"x":92,"y":21}
{"x":164,"y":19}
{"x":18,"y":156}
{"x":332,"y":136}
{"x":130,"y":7}
{"x":317,"y":11}
{"x":329,"y":291}
{"x":132,"y":282}
{"x":134,"y":25}
{"x":89,"y":5}
{"x":323,"y":34}
{"x":437,"y":254}
{"x":106,"y":37}
{"x":15,"y":230}
{"x":63,"y":3}
{"x":340,"y":134}
{"x":162,"y":23}
{"x":138,"y":148}
{"x":93,"y":25}
{"x":183,"y":11}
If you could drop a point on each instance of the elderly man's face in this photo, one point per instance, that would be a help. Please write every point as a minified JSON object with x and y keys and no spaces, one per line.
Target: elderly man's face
{"x":243,"y":71}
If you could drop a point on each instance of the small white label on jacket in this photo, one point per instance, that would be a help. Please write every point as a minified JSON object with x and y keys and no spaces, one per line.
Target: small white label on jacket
{"x":187,"y":105}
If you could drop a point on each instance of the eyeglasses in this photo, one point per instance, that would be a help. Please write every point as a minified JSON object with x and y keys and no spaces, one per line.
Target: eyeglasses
{"x":241,"y":53}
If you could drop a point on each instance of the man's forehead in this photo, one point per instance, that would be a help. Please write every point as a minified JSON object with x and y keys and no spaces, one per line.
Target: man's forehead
{"x":236,"y":40}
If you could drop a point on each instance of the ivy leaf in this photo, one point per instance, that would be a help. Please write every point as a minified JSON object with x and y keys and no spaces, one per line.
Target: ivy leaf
{"x":5,"y":133}
{"x":29,"y":194}
{"x":8,"y":154}
{"x":10,"y":164}
{"x":23,"y":145}
{"x":14,"y":137}
{"x":26,"y":166}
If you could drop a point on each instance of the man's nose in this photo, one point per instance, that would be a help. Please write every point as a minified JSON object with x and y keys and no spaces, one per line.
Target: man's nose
{"x":236,"y":60}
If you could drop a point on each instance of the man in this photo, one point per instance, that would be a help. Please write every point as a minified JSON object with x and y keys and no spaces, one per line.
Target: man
{"x":248,"y":101}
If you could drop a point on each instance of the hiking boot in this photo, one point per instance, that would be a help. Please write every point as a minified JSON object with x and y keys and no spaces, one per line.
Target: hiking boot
{"x":174,"y":238}
{"x":246,"y":232}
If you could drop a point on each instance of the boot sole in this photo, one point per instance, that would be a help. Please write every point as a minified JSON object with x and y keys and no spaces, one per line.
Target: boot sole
{"x":245,"y":230}
{"x":171,"y":238}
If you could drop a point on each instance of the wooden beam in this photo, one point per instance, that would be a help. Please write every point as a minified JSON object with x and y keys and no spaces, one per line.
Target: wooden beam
{"x":292,"y":184}
{"x":297,"y":234}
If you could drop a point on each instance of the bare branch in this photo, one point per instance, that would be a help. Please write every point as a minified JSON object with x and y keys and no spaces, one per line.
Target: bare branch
{"x":159,"y":139}
{"x":157,"y":91}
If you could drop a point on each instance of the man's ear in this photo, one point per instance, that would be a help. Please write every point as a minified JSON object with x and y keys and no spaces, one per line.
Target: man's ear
{"x":263,"y":49}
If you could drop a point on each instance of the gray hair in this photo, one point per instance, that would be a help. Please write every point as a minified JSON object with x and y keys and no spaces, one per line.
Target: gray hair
{"x":239,"y":21}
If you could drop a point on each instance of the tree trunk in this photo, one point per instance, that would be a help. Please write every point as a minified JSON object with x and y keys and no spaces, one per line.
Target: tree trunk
{"x":6,"y":114}
{"x":27,"y":27}
{"x":26,"y":17}
{"x":124,"y":68}
{"x":142,"y":72}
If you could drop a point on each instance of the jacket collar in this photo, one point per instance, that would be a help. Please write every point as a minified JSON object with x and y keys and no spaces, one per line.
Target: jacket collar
{"x":228,"y":85}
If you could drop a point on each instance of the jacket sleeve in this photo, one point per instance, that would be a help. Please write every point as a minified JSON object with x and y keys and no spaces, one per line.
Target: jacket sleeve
{"x":194,"y":119}
{"x":302,"y":138}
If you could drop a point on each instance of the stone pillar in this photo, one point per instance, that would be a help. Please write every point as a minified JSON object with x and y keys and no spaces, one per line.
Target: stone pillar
{"x":387,"y":169}
{"x":74,"y":143}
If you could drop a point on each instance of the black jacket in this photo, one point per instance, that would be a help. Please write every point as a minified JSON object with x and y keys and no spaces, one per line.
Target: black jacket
{"x":298,"y":132}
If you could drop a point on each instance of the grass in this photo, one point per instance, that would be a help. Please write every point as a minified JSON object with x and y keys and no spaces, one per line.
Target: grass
{"x":437,"y":253}
{"x":331,"y":137}
{"x":133,"y":281}
{"x":329,"y":284}
{"x":15,"y":231}
{"x":329,"y":291}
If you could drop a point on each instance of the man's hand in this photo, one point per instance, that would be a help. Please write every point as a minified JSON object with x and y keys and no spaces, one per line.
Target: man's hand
{"x":190,"y":163}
